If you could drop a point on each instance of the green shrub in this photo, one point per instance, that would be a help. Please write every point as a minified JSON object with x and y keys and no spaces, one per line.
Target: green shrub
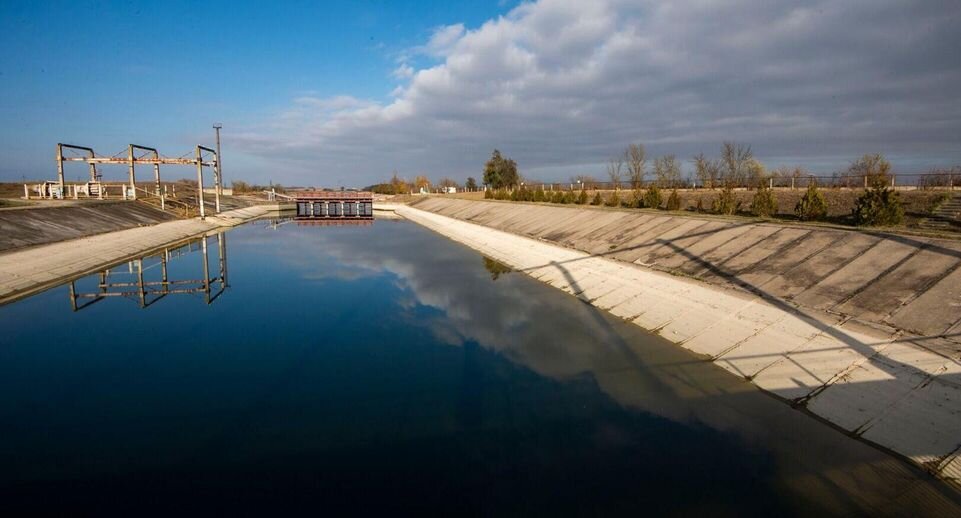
{"x":700,"y":204}
{"x":652,"y":198}
{"x":726,"y":202}
{"x":878,"y":206}
{"x":811,"y":206}
{"x":515,"y":195}
{"x":539,"y":195}
{"x":674,"y":200}
{"x":557,"y":197}
{"x":764,"y":204}
{"x":488,"y":194}
{"x":613,"y":200}
{"x":581,"y":198}
{"x":597,"y":199}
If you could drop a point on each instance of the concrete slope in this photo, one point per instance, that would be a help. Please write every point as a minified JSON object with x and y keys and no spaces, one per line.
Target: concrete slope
{"x":31,"y":226}
{"x":899,"y":391}
{"x":28,"y":271}
{"x":905,"y":283}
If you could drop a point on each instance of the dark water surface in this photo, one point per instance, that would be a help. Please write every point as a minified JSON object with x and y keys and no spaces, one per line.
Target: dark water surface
{"x":384,"y":368}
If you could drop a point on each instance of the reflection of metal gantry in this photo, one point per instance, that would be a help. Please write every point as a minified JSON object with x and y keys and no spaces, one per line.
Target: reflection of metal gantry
{"x":204,"y":157}
{"x":149,"y":292}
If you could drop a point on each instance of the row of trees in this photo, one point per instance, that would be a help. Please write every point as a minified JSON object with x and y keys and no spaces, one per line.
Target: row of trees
{"x":735,"y":166}
{"x":879,"y":205}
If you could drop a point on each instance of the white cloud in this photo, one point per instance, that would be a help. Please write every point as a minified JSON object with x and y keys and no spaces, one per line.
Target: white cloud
{"x":403,"y":71}
{"x":443,"y":39}
{"x":562,"y":85}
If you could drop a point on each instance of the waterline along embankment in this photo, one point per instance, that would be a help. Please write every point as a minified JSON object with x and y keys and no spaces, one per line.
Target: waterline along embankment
{"x":43,"y":266}
{"x":861,"y":329}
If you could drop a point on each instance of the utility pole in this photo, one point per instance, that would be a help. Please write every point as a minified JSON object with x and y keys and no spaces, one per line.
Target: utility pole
{"x":218,"y":170}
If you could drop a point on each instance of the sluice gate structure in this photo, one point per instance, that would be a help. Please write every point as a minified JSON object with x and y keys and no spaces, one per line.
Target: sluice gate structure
{"x":334,"y":205}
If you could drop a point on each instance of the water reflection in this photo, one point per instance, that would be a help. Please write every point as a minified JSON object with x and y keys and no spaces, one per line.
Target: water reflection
{"x":496,"y":268}
{"x":560,"y":338}
{"x":149,"y":279}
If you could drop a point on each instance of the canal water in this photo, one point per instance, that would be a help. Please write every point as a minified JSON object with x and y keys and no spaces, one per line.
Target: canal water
{"x":384,"y":368}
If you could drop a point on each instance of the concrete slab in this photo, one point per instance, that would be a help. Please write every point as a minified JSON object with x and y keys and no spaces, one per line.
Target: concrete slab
{"x":764,"y":249}
{"x":934,"y":311}
{"x":876,"y":258}
{"x":770,"y":345}
{"x":925,"y":424}
{"x":868,"y":390}
{"x":729,"y":331}
{"x":710,"y":262}
{"x":666,"y":243}
{"x":776,"y":266}
{"x":689,"y":243}
{"x":820,"y":265}
{"x":900,"y":286}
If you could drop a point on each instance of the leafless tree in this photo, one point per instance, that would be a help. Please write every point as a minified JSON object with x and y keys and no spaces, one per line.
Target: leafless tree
{"x":614,"y":171}
{"x":667,"y":171}
{"x":636,"y":158}
{"x":705,"y":171}
{"x":734,"y":159}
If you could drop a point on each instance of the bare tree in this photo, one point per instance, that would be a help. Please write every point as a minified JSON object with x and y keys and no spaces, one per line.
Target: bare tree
{"x":702,"y":170}
{"x":636,"y":158}
{"x":667,"y":171}
{"x":614,"y":168}
{"x":734,"y":158}
{"x":873,"y":168}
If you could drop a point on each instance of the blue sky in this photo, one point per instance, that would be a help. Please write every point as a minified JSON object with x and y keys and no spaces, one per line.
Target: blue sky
{"x":344,"y":93}
{"x":105,"y":74}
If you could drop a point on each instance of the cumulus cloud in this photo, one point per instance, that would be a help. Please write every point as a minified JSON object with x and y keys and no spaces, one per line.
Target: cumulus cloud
{"x":562,"y":85}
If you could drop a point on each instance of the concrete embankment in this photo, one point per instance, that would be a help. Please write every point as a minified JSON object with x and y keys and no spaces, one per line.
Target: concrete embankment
{"x":28,"y":271}
{"x":773,"y":304}
{"x":37,"y":225}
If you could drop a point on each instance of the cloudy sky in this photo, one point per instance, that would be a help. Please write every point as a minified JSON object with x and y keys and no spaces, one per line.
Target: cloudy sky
{"x":344,"y":93}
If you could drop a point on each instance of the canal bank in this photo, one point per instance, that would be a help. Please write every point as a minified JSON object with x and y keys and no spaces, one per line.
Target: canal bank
{"x":893,"y":388}
{"x":35,"y":269}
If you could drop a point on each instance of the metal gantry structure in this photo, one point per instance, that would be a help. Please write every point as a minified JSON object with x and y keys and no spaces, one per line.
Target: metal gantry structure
{"x":143,"y":155}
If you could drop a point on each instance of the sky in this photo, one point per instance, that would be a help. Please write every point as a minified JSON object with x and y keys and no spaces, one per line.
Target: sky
{"x":344,"y":93}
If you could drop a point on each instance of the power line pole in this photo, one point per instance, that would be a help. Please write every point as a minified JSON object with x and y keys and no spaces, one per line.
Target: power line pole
{"x":218,"y":170}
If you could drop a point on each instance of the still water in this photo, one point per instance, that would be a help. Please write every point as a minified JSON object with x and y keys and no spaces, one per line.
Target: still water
{"x":384,"y":368}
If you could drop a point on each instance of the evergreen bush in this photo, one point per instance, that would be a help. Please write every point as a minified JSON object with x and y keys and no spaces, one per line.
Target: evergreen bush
{"x":811,"y":206}
{"x":674,"y":200}
{"x":726,"y":202}
{"x":879,"y":206}
{"x":764,"y":204}
{"x":613,"y":200}
{"x":652,"y":198}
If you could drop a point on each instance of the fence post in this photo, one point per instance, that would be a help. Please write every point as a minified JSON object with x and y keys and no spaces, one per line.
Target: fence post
{"x":865,"y":181}
{"x":770,"y":183}
{"x":26,"y":192}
